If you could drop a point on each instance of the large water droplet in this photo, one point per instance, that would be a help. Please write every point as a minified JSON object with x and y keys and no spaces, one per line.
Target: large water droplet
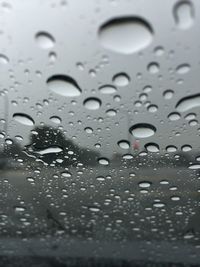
{"x":23,"y":119}
{"x":184,"y":14}
{"x":189,"y":102}
{"x":44,"y":40}
{"x":92,"y":103}
{"x":142,"y":130}
{"x":64,"y":85}
{"x":125,"y":35}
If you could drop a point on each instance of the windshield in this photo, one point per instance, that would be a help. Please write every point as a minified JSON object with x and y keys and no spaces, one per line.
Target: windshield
{"x":99,"y":133}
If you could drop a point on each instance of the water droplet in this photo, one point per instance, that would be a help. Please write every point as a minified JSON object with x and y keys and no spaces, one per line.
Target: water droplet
{"x":127,"y":156}
{"x":124,"y":144}
{"x":50,"y":150}
{"x":93,"y":209}
{"x":168,"y":94}
{"x":125,"y":35}
{"x":175,"y":198}
{"x":107,"y":89}
{"x":190,"y":116}
{"x":66,"y":174}
{"x":9,"y":141}
{"x":56,"y":119}
{"x":188,"y":236}
{"x":89,"y":130}
{"x":183,"y":68}
{"x":121,"y":79}
{"x":174,"y":116}
{"x":152,"y":108}
{"x":186,"y":148}
{"x":103,"y":161}
{"x":144,"y":184}
{"x":142,"y":130}
{"x":184,"y":14}
{"x":159,"y":51}
{"x":152,"y":147}
{"x":159,"y":205}
{"x":44,"y":40}
{"x":92,"y":103}
{"x":194,"y":167}
{"x":193,"y":123}
{"x":30,"y":179}
{"x":64,"y":85}
{"x":171,"y":149}
{"x":3,"y":59}
{"x":111,"y":112}
{"x":19,"y":209}
{"x":23,"y":119}
{"x":188,"y":102}
{"x":153,"y":67}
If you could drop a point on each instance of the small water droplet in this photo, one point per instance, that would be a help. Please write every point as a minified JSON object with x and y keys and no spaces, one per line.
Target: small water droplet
{"x":66,"y":174}
{"x":103,"y":161}
{"x":111,"y":112}
{"x":94,"y":209}
{"x":153,"y":67}
{"x":19,"y":209}
{"x":186,"y":148}
{"x":55,"y":119}
{"x":142,"y":130}
{"x":124,"y":144}
{"x":174,"y":116}
{"x":89,"y":130}
{"x":152,"y":147}
{"x":168,"y":94}
{"x":107,"y":89}
{"x":175,"y":198}
{"x":171,"y":149}
{"x":159,"y":205}
{"x":121,"y":79}
{"x":44,"y":40}
{"x":63,"y":85}
{"x":152,"y":108}
{"x":3,"y":59}
{"x":183,"y":68}
{"x":144,"y":184}
{"x":92,"y":103}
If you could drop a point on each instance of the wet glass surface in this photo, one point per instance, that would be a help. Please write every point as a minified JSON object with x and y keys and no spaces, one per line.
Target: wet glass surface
{"x":99,"y":132}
